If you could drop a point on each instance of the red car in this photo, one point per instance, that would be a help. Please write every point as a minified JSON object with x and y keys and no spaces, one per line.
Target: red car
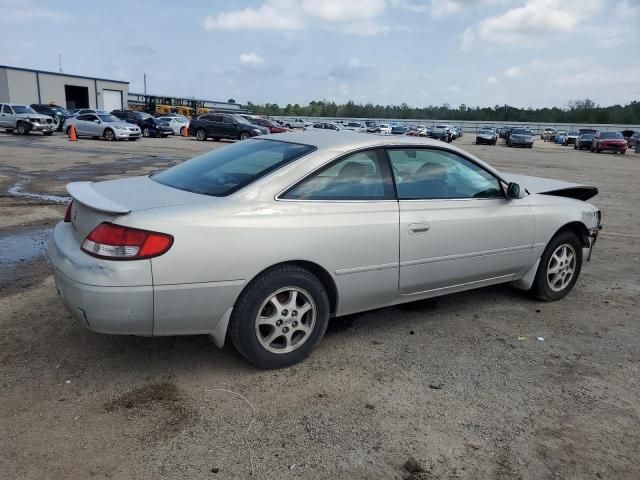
{"x":263,"y":122}
{"x":609,"y":141}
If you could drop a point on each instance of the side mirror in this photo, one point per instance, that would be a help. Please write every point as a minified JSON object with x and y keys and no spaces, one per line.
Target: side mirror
{"x":513,"y":191}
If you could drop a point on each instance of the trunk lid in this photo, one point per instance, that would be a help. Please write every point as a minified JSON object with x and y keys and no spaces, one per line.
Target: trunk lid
{"x":99,"y":202}
{"x":549,"y":186}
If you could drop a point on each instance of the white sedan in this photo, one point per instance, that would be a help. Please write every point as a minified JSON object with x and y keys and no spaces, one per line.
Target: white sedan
{"x":177,"y":124}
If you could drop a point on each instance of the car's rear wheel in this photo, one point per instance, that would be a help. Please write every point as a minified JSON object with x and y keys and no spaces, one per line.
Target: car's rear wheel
{"x":559,"y":267}
{"x":280,"y":317}
{"x":201,"y":134}
{"x":182,"y":131}
{"x":47,"y":134}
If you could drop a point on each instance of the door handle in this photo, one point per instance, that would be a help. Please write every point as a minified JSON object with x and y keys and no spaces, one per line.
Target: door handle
{"x":418,"y":228}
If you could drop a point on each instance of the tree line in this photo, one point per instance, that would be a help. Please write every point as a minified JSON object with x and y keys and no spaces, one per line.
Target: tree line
{"x":576,"y":111}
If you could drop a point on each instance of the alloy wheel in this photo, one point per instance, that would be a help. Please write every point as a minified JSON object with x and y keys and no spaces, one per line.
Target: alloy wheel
{"x":285,"y":320}
{"x":561,"y":268}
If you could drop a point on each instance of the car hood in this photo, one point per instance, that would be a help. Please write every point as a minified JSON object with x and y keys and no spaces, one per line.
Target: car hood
{"x":123,"y":124}
{"x":33,"y":115}
{"x":549,"y":186}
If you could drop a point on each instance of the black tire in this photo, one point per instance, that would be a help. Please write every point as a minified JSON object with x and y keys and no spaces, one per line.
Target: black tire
{"x":242,"y":325}
{"x":182,"y":131}
{"x":216,"y":139}
{"x":201,"y":134}
{"x":146,"y":132}
{"x":109,"y":135}
{"x":541,"y":288}
{"x":22,"y":128}
{"x":47,"y":134}
{"x":68,"y":132}
{"x":133,"y":139}
{"x":9,"y":130}
{"x":244,"y":135}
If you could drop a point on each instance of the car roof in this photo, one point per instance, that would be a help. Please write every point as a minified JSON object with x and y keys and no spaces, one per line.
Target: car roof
{"x":348,"y":140}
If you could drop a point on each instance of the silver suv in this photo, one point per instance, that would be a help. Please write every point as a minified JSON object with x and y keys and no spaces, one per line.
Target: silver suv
{"x":24,"y":119}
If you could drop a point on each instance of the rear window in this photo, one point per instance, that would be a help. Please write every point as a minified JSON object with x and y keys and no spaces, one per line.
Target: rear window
{"x":228,"y":169}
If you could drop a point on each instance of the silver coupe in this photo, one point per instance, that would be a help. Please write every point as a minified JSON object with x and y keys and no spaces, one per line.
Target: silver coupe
{"x":264,"y":240}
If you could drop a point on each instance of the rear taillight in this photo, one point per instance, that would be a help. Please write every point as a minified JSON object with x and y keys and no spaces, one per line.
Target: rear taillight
{"x":115,"y":242}
{"x":67,"y":212}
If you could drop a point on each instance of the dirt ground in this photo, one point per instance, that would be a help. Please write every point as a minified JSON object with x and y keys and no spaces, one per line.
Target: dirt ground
{"x":435,"y":389}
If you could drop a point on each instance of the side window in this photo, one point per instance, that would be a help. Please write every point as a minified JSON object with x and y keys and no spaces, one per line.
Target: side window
{"x":229,"y":120}
{"x":86,"y":117}
{"x":6,"y":109}
{"x":214,"y":118}
{"x":438,"y":174}
{"x":361,"y":176}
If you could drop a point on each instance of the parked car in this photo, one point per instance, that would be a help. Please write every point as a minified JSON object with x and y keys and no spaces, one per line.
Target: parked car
{"x":326,"y":126}
{"x":268,"y":124}
{"x":262,"y":241}
{"x":384,"y":129}
{"x":591,"y":131}
{"x":177,"y":124}
{"x":24,"y":120}
{"x":398,"y":128}
{"x":440,"y":133}
{"x":547,"y":133}
{"x":486,"y":136}
{"x":58,"y":114}
{"x":633,"y":139}
{"x":520,"y":137}
{"x":570,"y":138}
{"x":218,"y":126}
{"x":108,"y":127}
{"x":296,"y":123}
{"x":613,"y":141}
{"x":356,"y":127}
{"x":584,"y":141}
{"x":150,"y":126}
{"x":371,"y":126}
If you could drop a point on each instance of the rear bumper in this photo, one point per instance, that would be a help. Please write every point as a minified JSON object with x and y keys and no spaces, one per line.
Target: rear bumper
{"x":120,"y":298}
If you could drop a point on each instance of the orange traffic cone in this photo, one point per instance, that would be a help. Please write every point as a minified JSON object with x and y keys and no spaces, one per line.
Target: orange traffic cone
{"x":73,"y":137}
{"x":185,"y":131}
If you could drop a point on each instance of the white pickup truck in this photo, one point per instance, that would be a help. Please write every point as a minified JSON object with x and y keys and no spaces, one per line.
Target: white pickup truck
{"x":23,"y":119}
{"x":296,"y":123}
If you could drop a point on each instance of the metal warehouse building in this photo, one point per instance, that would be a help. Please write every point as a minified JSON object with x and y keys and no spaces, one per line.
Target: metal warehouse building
{"x":23,"y":85}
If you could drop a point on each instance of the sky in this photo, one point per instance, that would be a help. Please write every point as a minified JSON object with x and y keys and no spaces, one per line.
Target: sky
{"x":525,"y":53}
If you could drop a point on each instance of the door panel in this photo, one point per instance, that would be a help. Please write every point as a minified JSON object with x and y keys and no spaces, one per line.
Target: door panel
{"x":451,"y":242}
{"x":456,"y":225}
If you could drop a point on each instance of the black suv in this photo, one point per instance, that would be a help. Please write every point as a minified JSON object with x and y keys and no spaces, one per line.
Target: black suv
{"x":150,"y":127}
{"x":217,"y":126}
{"x":59,"y":114}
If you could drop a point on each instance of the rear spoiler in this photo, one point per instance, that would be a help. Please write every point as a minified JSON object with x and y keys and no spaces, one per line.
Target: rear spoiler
{"x":84,"y":193}
{"x":558,"y":188}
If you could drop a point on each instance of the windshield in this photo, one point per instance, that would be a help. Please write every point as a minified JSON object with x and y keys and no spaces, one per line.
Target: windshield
{"x":486,"y":131}
{"x":108,"y":118}
{"x":370,"y":124}
{"x":60,"y":110}
{"x":22,"y":109}
{"x":616,"y":135}
{"x":587,"y":136}
{"x":573,"y":133}
{"x":240,"y":119}
{"x":384,"y":125}
{"x":225,"y":170}
{"x":521,"y":131}
{"x":144,"y":115}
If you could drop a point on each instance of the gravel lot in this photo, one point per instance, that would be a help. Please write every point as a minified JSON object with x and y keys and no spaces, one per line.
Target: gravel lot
{"x":442,"y":388}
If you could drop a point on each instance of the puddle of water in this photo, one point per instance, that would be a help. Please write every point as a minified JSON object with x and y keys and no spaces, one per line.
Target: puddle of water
{"x":23,"y":246}
{"x":18,"y":191}
{"x":17,"y":250}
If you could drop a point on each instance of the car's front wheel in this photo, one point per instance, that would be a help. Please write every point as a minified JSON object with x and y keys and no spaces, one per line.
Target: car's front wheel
{"x":244,"y":135}
{"x":146,"y":132}
{"x":109,"y":135}
{"x":559,"y":267}
{"x":280,"y":317}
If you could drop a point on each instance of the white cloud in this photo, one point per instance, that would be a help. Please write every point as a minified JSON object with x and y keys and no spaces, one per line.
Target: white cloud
{"x":513,"y":72}
{"x":441,"y":8}
{"x":293,"y":15}
{"x":467,"y":38}
{"x":492,"y":80}
{"x":526,"y":23}
{"x":251,"y":59}
{"x":27,"y":11}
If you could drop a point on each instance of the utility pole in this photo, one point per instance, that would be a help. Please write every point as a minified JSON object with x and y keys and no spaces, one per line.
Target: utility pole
{"x":145,"y":83}
{"x":60,"y":63}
